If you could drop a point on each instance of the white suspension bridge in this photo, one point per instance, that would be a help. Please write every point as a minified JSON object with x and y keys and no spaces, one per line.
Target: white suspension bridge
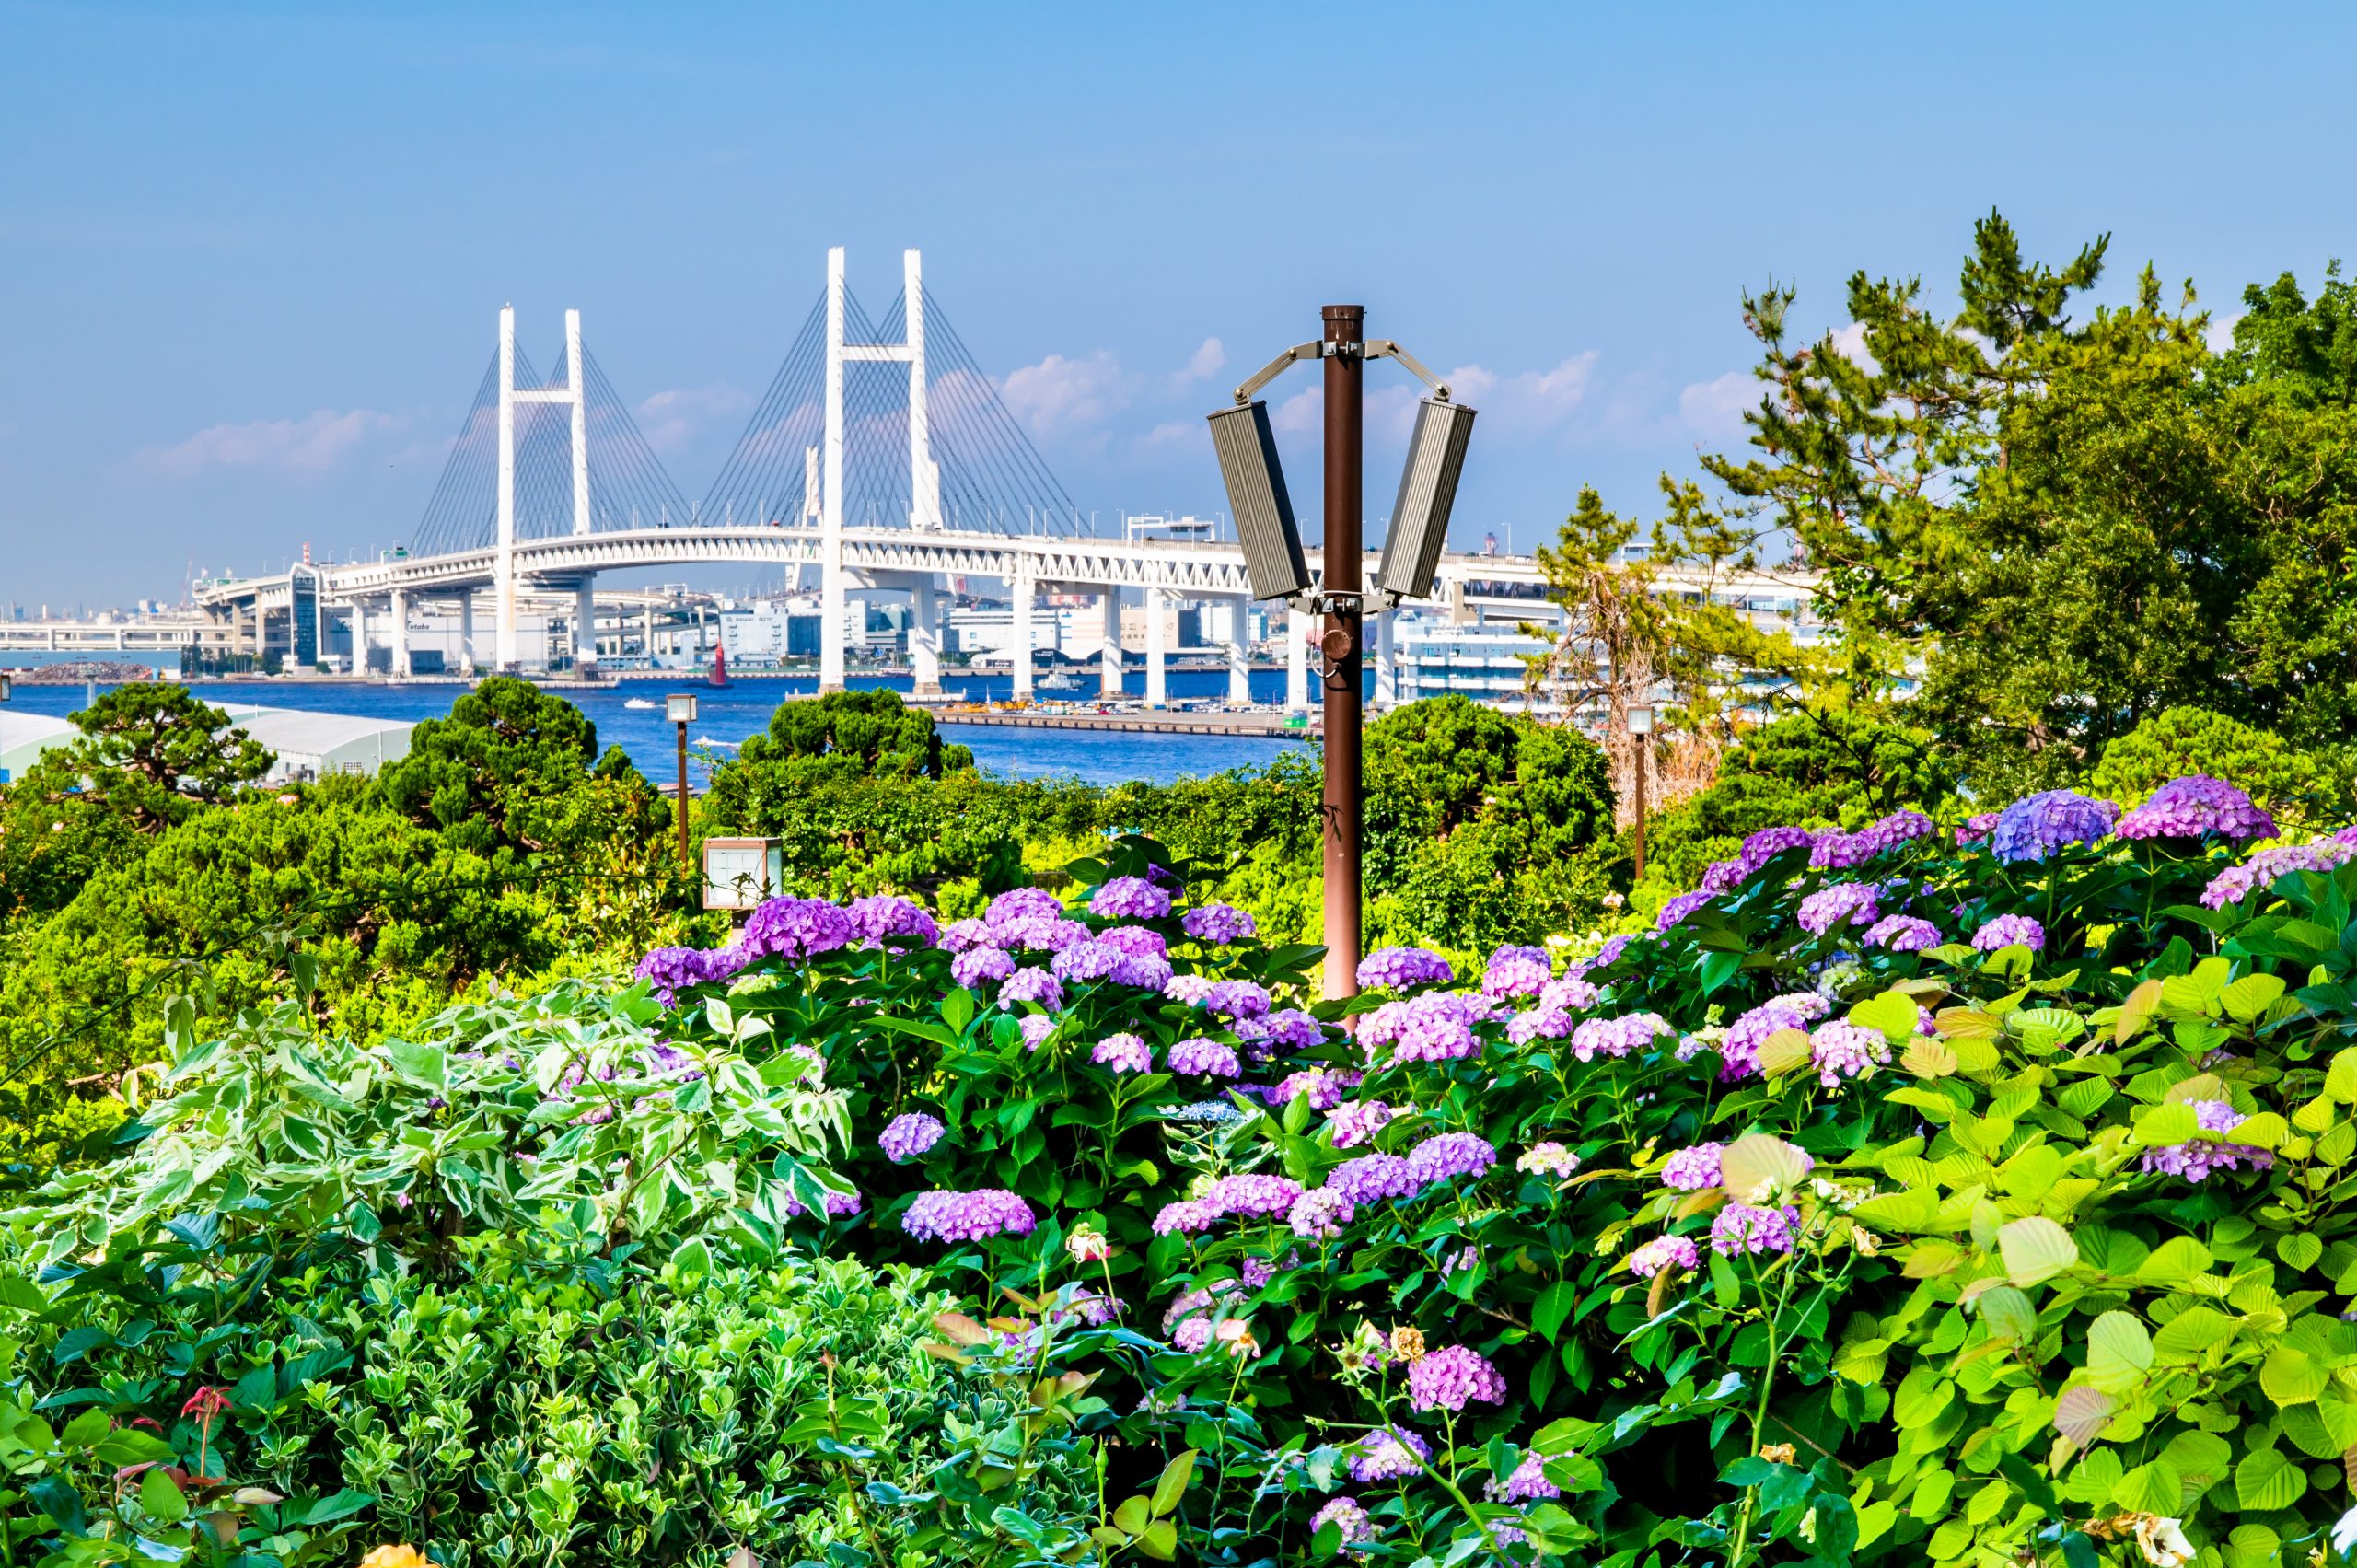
{"x":884,"y":480}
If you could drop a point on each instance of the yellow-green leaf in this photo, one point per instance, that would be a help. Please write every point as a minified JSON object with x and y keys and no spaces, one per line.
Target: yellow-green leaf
{"x":1893,"y":1012}
{"x":2193,"y":1333}
{"x":161,"y":1498}
{"x":2165,"y":1125}
{"x":2118,"y":1352}
{"x":1173,"y":1484}
{"x":1928,"y":1059}
{"x":2082,"y":1413}
{"x":2292,"y":1377}
{"x":2267,"y":1481}
{"x":1782,"y":1051}
{"x":2036,"y":1249}
{"x":2300,"y":1249}
{"x":2248,"y":997}
{"x":1760,"y":1160}
{"x":2152,"y":1488}
{"x":2136,"y":1012}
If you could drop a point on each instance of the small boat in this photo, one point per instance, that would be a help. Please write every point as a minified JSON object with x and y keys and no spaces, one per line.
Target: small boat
{"x":708,"y":740}
{"x":640,"y":703}
{"x":1062,"y":681}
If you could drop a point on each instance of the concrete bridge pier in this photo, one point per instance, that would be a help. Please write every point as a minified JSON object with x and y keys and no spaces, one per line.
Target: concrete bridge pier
{"x":467,"y":633}
{"x":1387,"y":662}
{"x":1157,"y":693}
{"x":359,"y":634}
{"x":1239,"y":650}
{"x":1019,"y":634}
{"x":399,"y":616}
{"x":1297,"y":629}
{"x":924,"y":639}
{"x":1109,"y":679}
{"x":585,"y":627}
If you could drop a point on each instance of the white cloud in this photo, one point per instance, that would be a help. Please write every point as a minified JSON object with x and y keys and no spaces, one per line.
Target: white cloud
{"x":2221,"y":335}
{"x":1850,"y":342}
{"x":1176,"y":432}
{"x":1061,"y":396}
{"x":1206,"y":361}
{"x":1529,"y":402}
{"x":311,"y":445}
{"x":1716,"y":407}
{"x":1304,"y":410}
{"x":670,"y":420}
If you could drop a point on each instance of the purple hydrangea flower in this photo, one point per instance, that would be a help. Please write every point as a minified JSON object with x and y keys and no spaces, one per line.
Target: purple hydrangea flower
{"x":1445,"y":1155}
{"x":1571,"y":993}
{"x":1746,"y":1227}
{"x":1723,"y":876}
{"x":1253,"y":1194}
{"x":1290,"y":1029}
{"x":1320,"y":1214}
{"x":1129,"y":898}
{"x":965,"y":935}
{"x":1031,"y":985}
{"x":672,"y":971}
{"x":1324,"y":1085}
{"x":1451,"y":1377}
{"x":795,"y":928}
{"x":1038,"y":934}
{"x":1396,"y":968}
{"x":1663,"y":1252}
{"x":884,"y":919}
{"x":1692,"y":1171}
{"x":1372,"y":1179}
{"x":2036,"y":826}
{"x":1539,"y":1023}
{"x":1839,"y":850}
{"x":1678,"y":908}
{"x":1124,"y":1053}
{"x":1143,"y":971}
{"x":1218,"y":924}
{"x":2194,"y":1161}
{"x":2194,"y":806}
{"x":1257,"y":1272}
{"x":1976,"y":828}
{"x":910,"y":1134}
{"x":978,"y":967}
{"x":1739,"y":1052}
{"x":944,"y":1215}
{"x":1189,"y":989}
{"x":2236,"y":883}
{"x":1201,"y":1058}
{"x":1769,"y":843}
{"x":1088,"y":960}
{"x":1617,"y":1037}
{"x":1903,"y":933}
{"x":1387,"y":1454}
{"x":1037,"y":1027}
{"x":1357,"y":1122}
{"x":1189,"y":1216}
{"x":2008,"y":930}
{"x":1193,"y":1335}
{"x":1603,"y":956}
{"x":1024,"y":903}
{"x":1844,"y":903}
{"x":1236,"y":999}
{"x":1351,"y":1523}
{"x":1137,"y":941}
{"x":838,"y":1205}
{"x":1847,"y":1050}
{"x":1435,"y":1027}
{"x":1527,"y":1483}
{"x":1516,"y":972}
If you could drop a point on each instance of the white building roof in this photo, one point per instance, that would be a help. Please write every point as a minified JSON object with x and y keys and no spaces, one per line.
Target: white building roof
{"x":24,"y":737}
{"x":323,"y":743}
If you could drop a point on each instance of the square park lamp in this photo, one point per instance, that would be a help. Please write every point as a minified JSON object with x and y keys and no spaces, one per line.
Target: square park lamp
{"x":741,"y":874}
{"x":681,"y":707}
{"x":1256,"y":499}
{"x":4,"y":691}
{"x":1427,"y":494}
{"x":1640,"y":719}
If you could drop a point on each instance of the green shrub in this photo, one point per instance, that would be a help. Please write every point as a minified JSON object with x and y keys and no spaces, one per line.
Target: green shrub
{"x":2301,"y":790}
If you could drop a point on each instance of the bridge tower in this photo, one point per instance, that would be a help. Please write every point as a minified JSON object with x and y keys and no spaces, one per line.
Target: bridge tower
{"x":924,"y":475}
{"x":507,"y":656}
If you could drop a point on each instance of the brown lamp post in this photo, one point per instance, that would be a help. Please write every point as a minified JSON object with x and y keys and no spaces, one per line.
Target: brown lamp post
{"x":1640,"y":731}
{"x":680,"y":709}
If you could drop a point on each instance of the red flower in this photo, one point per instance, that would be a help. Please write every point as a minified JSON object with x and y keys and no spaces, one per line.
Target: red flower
{"x":205,"y":1403}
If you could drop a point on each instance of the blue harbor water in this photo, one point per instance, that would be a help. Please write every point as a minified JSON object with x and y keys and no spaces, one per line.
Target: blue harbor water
{"x":727,"y":714}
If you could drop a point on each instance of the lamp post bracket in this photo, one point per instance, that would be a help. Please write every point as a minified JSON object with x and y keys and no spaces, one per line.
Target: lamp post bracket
{"x":1274,"y":368}
{"x":1385,"y":348}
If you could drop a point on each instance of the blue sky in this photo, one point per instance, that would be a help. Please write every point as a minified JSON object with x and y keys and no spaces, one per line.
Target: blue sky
{"x":251,"y":257}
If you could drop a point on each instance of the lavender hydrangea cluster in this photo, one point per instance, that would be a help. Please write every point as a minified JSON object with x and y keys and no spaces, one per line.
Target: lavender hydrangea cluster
{"x":1603,"y":956}
{"x":1571,"y":992}
{"x":1516,"y":972}
{"x":1351,"y":1522}
{"x":1693,"y":1169}
{"x":1087,"y":960}
{"x":1526,"y":1483}
{"x":944,"y":1215}
{"x":1445,"y":1155}
{"x":1236,"y":999}
{"x":837,"y":1205}
{"x":1547,"y":1158}
{"x":1188,"y":1216}
{"x":1218,"y":924}
{"x":1663,"y":1252}
{"x":2008,"y":931}
{"x":2037,"y":826}
{"x":1198,"y":1057}
{"x":1769,"y":843}
{"x":1746,"y":1227}
{"x":1617,"y":1037}
{"x":2194,"y":1161}
{"x":1739,"y":1051}
{"x":885,"y":920}
{"x":1976,"y":827}
{"x":1253,"y":1194}
{"x":908,"y":1135}
{"x":1123,"y":1053}
{"x":2194,"y":806}
{"x":978,"y":967}
{"x":1290,"y":1029}
{"x":1326,"y":1086}
{"x":671,"y":971}
{"x":1373,"y":1178}
{"x":1320,"y":1214}
{"x":1129,"y":898}
{"x":2236,"y":883}
{"x":1357,"y":1122}
{"x":1436,"y":1026}
{"x":1387,"y":1454}
{"x":1396,"y":968}
{"x":1031,"y":985}
{"x":1903,"y":933}
{"x":1451,"y":1377}
{"x":1678,"y":908}
{"x":1540,"y":1023}
{"x":1837,"y":851}
{"x":795,"y":928}
{"x":1847,"y":1050}
{"x":1844,"y":903}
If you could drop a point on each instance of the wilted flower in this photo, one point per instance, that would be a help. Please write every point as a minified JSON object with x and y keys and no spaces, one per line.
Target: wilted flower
{"x":1663,"y":1252}
{"x":2194,"y":806}
{"x":2162,"y":1541}
{"x":1236,"y":1335}
{"x":400,"y":1556}
{"x":910,"y":1134}
{"x":1548,"y":1158}
{"x":1452,"y":1376}
{"x":1087,"y":1244}
{"x":1407,"y":1343}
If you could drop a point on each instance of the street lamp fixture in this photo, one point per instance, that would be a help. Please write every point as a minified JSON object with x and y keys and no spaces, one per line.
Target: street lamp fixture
{"x":1641,"y":726}
{"x":5,"y":686}
{"x":679,"y":707}
{"x":1272,"y":560}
